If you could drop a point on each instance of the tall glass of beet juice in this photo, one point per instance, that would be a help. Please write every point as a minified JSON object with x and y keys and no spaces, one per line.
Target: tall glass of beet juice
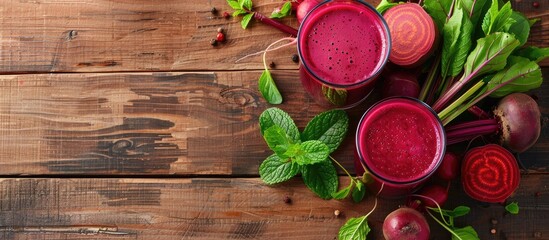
{"x":343,"y":46}
{"x":401,"y":142}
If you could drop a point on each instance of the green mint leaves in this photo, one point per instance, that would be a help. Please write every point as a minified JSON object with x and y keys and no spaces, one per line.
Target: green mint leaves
{"x":242,"y":7}
{"x":354,"y":229}
{"x":284,"y":11}
{"x":447,"y":222}
{"x":512,"y":208}
{"x":306,"y":153}
{"x":268,"y":88}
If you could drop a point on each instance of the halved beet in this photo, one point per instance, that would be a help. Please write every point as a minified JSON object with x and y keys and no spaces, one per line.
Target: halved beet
{"x":413,"y":34}
{"x":490,"y":173}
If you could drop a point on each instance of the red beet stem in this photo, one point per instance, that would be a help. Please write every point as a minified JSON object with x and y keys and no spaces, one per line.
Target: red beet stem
{"x":278,"y":25}
{"x":469,"y":130}
{"x":481,"y":114}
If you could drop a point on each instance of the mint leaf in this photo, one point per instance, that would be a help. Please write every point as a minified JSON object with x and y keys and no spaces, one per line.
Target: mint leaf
{"x":246,"y":20}
{"x":512,"y":208}
{"x":343,"y":193}
{"x":521,"y":28}
{"x":245,"y":4}
{"x":466,"y":233}
{"x":234,"y":4}
{"x":359,"y":191}
{"x":520,"y":75}
{"x":330,"y":127}
{"x":278,"y":141}
{"x":276,"y":170}
{"x":384,"y":5}
{"x":456,"y":212}
{"x":239,"y":12}
{"x":284,"y":11}
{"x":533,"y":53}
{"x":354,"y":229}
{"x":268,"y":88}
{"x":312,"y":152}
{"x":321,"y":178}
{"x":275,"y":116}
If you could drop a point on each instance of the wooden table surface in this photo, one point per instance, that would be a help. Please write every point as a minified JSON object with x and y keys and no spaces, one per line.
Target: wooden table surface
{"x":119,"y":120}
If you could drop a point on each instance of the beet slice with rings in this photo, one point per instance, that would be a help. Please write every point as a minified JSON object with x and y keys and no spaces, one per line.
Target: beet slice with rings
{"x":490,"y":173}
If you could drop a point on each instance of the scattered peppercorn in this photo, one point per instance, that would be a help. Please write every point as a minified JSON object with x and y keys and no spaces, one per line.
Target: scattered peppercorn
{"x":219,"y":29}
{"x":287,"y":200}
{"x":493,"y":231}
{"x":537,"y":194}
{"x":337,"y":213}
{"x":295,"y":58}
{"x":226,"y":15}
{"x":535,"y":4}
{"x":213,"y":42}
{"x":272,"y":65}
{"x":220,"y":37}
{"x":494,"y":221}
{"x":213,"y":10}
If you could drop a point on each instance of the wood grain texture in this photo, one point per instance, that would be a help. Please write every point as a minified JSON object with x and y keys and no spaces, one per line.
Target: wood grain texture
{"x":158,"y":123}
{"x":130,"y":35}
{"x":215,"y":208}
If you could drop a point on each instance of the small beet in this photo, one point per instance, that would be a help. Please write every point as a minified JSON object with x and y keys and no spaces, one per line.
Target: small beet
{"x":433,"y":192}
{"x":405,"y":224}
{"x":400,"y":83}
{"x":449,"y":167}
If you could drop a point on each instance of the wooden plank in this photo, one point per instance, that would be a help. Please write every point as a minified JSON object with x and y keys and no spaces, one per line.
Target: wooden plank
{"x":225,"y":209}
{"x":158,"y":123}
{"x":140,"y":35}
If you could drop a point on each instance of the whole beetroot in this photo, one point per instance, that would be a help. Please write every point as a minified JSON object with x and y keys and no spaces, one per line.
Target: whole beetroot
{"x":405,"y":224}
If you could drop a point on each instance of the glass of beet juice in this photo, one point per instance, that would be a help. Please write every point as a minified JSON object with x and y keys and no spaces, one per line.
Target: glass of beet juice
{"x":401,"y":142}
{"x":343,"y":46}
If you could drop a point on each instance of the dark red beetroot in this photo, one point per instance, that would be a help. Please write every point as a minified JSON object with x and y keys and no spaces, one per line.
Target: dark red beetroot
{"x":400,"y":83}
{"x":519,"y":117}
{"x":489,"y":173}
{"x":405,"y":224}
{"x":413,"y":34}
{"x":449,"y":167}
{"x":305,"y":7}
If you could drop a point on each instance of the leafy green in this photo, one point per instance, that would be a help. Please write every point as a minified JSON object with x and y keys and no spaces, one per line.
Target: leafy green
{"x":234,"y":4}
{"x":276,"y":170}
{"x":512,"y":208}
{"x":343,"y":193}
{"x":329,"y":127}
{"x":490,"y":54}
{"x":456,"y":43}
{"x":438,"y":10}
{"x":335,"y":96}
{"x":533,"y":53}
{"x":245,"y":4}
{"x":354,"y":229}
{"x":359,"y":191}
{"x":321,"y":178}
{"x":520,"y":75}
{"x":268,"y":88}
{"x":312,"y":152}
{"x":466,"y":233}
{"x":496,"y":19}
{"x":476,"y":6}
{"x":456,"y":212}
{"x":384,"y":5}
{"x":520,"y":28}
{"x":246,"y":20}
{"x":278,"y":141}
{"x":275,"y":116}
{"x":284,"y":11}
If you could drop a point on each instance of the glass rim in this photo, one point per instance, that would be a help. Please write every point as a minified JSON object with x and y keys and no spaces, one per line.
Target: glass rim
{"x":363,"y":81}
{"x":440,"y":127}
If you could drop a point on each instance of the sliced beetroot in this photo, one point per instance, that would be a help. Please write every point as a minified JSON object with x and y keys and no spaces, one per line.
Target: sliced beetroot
{"x":413,"y":34}
{"x":489,"y":173}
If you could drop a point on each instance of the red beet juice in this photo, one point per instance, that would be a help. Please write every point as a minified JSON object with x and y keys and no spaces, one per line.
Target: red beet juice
{"x":401,"y":142}
{"x":343,"y":45}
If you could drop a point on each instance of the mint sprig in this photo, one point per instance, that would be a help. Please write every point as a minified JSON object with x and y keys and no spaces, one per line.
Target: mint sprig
{"x":242,"y":7}
{"x":306,"y":153}
{"x":284,"y":11}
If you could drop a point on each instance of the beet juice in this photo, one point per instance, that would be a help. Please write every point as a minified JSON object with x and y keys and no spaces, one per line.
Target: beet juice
{"x":401,"y":142}
{"x":343,"y":46}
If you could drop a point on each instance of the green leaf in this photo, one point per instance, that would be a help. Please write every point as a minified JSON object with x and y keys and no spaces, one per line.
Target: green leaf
{"x":286,"y":10}
{"x":268,"y":88}
{"x":512,"y":208}
{"x":354,"y":229}
{"x":456,"y":212}
{"x":490,"y":54}
{"x":384,"y":5}
{"x":246,"y":20}
{"x":275,"y":116}
{"x":343,"y":193}
{"x":456,"y":43}
{"x":239,"y":12}
{"x":473,"y":5}
{"x":359,"y":191}
{"x":330,"y":127}
{"x":438,"y":10}
{"x":245,"y":4}
{"x":521,"y":27}
{"x":278,"y":141}
{"x":466,"y":233}
{"x":533,"y":53}
{"x":276,"y":170}
{"x":321,"y":178}
{"x":312,"y":152}
{"x":336,"y":96}
{"x":497,"y":19}
{"x":234,"y":4}
{"x":533,"y":21}
{"x":520,"y":75}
